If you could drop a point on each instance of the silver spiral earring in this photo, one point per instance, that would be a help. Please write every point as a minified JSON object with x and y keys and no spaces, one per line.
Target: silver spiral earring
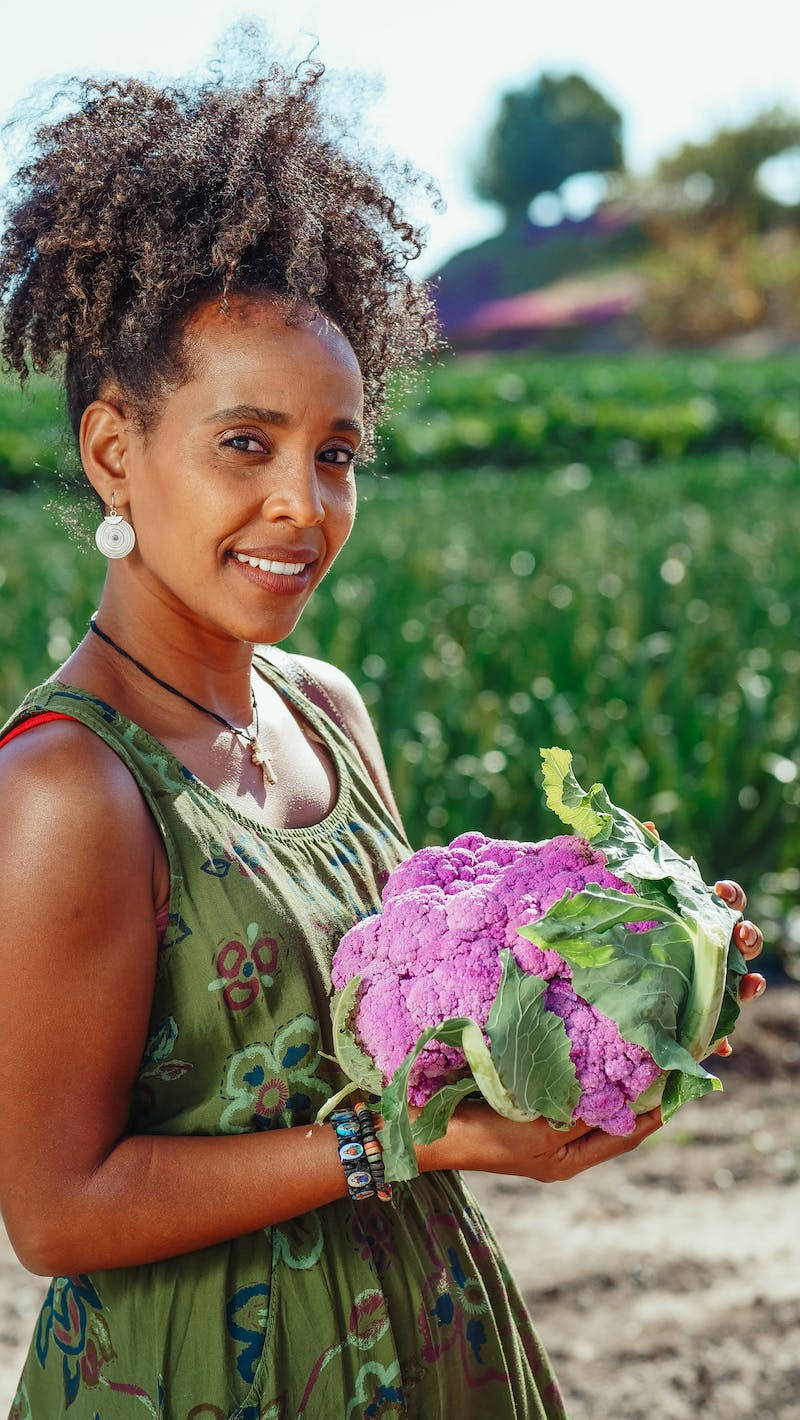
{"x":114,"y":537}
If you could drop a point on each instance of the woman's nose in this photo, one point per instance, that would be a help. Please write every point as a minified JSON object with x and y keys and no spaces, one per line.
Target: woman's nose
{"x":296,"y":495}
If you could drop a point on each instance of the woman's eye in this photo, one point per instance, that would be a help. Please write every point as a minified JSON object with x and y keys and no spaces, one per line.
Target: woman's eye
{"x":238,"y":441}
{"x":345,"y":462}
{"x":249,"y":444}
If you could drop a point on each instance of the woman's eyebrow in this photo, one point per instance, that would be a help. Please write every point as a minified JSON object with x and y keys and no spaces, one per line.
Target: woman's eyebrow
{"x":273,"y":416}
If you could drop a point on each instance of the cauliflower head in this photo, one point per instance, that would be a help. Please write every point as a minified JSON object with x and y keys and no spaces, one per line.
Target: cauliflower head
{"x":433,"y":952}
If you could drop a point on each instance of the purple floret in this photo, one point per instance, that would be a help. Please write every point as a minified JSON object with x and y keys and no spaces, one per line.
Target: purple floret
{"x":433,"y":952}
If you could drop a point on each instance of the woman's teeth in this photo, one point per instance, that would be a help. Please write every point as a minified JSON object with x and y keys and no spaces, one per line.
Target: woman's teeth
{"x":287,"y":568}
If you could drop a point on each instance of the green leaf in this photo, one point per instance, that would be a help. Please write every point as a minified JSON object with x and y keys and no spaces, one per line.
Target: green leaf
{"x":581,"y":919}
{"x":656,"y":871}
{"x":432,"y":1121}
{"x":355,"y":1063}
{"x":729,"y":1014}
{"x":486,"y":1075}
{"x":567,"y":799}
{"x":680,"y":1087}
{"x":396,"y":1137}
{"x":640,"y":980}
{"x":530,"y":1046}
{"x":621,"y":837}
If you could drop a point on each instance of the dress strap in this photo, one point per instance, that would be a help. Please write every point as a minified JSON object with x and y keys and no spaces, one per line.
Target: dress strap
{"x":32,"y":720}
{"x":304,"y":681}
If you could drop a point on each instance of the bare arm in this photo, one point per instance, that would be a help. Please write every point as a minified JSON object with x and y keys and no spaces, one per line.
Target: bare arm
{"x":77,"y":956}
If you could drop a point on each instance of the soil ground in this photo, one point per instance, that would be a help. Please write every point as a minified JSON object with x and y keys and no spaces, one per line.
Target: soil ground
{"x":666,"y":1284}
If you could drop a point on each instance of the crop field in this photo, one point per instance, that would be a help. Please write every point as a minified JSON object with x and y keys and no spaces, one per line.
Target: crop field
{"x":621,"y":410}
{"x":518,"y":411}
{"x":640,"y":611}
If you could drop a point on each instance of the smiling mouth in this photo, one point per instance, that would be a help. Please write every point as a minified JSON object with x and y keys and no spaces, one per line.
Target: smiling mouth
{"x":271,"y":564}
{"x":279,"y":578}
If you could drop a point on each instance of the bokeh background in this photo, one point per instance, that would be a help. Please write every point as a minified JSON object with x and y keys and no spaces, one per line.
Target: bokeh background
{"x":582,"y":529}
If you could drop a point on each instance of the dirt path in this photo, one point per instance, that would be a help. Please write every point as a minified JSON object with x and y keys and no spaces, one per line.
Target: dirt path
{"x":666,"y":1285}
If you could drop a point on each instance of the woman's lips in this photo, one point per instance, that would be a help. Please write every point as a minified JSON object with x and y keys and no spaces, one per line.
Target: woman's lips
{"x":284,"y":583}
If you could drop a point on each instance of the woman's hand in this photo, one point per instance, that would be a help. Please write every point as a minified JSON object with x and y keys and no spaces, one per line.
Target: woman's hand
{"x":749,"y":939}
{"x":746,"y":936}
{"x":479,"y":1138}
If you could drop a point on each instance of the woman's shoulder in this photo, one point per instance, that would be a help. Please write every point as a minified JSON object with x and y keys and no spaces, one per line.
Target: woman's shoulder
{"x":61,"y":780}
{"x":323,"y":683}
{"x":336,"y":682}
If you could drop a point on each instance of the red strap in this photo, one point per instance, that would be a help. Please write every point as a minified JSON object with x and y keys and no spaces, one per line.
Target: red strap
{"x":34,"y":720}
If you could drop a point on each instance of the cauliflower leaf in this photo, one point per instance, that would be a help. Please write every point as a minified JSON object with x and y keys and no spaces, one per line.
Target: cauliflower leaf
{"x":660,"y":874}
{"x":530,"y":1046}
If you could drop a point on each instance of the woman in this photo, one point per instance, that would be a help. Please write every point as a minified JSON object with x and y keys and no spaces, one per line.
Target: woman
{"x":200,"y":816}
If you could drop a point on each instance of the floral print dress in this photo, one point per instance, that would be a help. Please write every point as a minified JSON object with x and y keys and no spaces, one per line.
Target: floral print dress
{"x":363,"y":1311}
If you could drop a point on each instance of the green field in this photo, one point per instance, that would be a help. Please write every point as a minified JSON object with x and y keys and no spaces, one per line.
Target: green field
{"x":645,"y":616}
{"x":616,"y":410}
{"x":517,"y":411}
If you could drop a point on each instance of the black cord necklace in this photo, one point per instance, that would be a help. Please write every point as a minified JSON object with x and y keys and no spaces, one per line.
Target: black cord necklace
{"x":259,"y":755}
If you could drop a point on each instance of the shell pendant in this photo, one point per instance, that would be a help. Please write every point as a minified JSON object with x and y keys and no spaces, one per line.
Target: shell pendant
{"x":262,"y":757}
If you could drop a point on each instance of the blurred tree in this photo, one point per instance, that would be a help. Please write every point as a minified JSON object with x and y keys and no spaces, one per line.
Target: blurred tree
{"x":720,"y":281}
{"x":721,"y":176}
{"x":545,"y":133}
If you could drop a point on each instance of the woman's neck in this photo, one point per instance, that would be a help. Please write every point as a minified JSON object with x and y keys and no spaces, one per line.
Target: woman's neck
{"x":202,"y":662}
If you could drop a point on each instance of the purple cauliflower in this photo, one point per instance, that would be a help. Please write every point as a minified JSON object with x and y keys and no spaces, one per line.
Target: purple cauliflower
{"x":433,"y":953}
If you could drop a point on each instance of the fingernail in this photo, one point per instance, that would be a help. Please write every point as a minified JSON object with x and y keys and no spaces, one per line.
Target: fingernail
{"x":761,"y":987}
{"x":723,"y":889}
{"x":748,"y":934}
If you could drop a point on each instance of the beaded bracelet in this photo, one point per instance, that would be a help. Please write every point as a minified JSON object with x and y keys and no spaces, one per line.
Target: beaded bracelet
{"x":373,"y":1150}
{"x":352,"y":1154}
{"x":360,"y":1153}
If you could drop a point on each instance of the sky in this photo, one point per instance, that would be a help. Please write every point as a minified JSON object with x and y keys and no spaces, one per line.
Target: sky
{"x":431,"y":73}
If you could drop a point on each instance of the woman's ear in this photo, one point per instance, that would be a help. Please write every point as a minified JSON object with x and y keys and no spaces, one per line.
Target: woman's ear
{"x":104,"y":440}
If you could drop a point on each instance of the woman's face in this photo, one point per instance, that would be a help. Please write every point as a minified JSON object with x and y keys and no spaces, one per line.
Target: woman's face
{"x":252,"y":456}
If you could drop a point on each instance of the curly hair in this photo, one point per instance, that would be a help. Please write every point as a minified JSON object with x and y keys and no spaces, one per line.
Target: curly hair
{"x":145,"y":200}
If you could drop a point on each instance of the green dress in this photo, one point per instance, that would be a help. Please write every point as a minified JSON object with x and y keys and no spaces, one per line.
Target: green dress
{"x":351,"y":1311}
